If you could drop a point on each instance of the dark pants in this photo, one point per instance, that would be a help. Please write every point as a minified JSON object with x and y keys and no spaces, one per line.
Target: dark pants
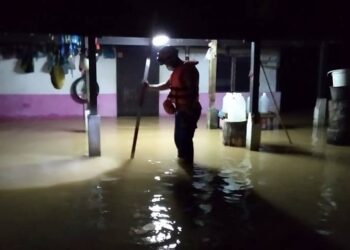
{"x":185,"y":126}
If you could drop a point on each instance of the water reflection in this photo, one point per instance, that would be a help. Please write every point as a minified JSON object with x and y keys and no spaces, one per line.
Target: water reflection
{"x":236,"y":181}
{"x":211,"y":209}
{"x":210,"y":202}
{"x":326,"y":204}
{"x":318,"y":136}
{"x":97,"y":206}
{"x":156,"y":226}
{"x":318,"y":139}
{"x":181,"y":207}
{"x":173,"y":210}
{"x":202,"y":192}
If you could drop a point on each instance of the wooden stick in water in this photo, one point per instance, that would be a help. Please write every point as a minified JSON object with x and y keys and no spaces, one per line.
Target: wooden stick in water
{"x":138,"y":116}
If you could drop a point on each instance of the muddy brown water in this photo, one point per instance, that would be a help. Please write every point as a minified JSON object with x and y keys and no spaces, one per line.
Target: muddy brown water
{"x":284,"y":196}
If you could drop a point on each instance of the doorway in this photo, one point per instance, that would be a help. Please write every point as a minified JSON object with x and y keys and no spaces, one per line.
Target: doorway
{"x":298,"y":79}
{"x":130,"y":69}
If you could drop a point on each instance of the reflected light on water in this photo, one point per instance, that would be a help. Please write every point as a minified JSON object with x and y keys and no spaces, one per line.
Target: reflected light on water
{"x":327,"y":204}
{"x":236,"y":181}
{"x":162,"y":229}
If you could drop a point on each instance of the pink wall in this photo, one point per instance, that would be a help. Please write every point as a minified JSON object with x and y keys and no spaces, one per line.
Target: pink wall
{"x":15,"y":106}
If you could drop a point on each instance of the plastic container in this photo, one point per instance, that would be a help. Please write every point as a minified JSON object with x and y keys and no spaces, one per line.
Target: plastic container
{"x":340,"y":93}
{"x":340,"y":77}
{"x":235,"y":107}
{"x":264,"y":103}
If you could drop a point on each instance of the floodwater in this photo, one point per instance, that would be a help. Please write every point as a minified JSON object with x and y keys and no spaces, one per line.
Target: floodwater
{"x":285,"y":196}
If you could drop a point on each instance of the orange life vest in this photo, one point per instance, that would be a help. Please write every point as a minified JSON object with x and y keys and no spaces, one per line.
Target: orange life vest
{"x":181,"y":94}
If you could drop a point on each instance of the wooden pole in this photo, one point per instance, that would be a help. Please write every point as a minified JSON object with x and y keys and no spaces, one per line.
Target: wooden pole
{"x":212,"y":117}
{"x":138,"y":116}
{"x":233,"y":74}
{"x":212,"y":72}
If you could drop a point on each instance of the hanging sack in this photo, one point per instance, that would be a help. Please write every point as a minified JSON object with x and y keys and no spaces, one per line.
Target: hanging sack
{"x":57,"y":75}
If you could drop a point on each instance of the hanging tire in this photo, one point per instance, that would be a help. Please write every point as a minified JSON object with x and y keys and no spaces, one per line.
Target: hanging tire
{"x":78,"y":96}
{"x":79,"y":93}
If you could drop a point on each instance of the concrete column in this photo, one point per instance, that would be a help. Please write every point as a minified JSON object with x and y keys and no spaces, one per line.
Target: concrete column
{"x":94,"y":145}
{"x":212,"y":115}
{"x":320,"y":111}
{"x":93,"y":119}
{"x":253,"y":123}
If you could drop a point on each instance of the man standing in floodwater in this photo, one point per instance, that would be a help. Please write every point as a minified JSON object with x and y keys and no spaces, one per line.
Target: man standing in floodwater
{"x":183,"y":99}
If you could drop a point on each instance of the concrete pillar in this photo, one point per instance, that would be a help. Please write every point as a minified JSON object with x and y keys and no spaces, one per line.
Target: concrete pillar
{"x":320,"y":113}
{"x":93,"y":133}
{"x":212,"y":114}
{"x":253,"y":123}
{"x":253,"y":134}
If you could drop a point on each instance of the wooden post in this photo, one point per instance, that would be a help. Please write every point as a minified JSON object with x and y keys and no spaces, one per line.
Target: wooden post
{"x":212,"y":118}
{"x":253,"y":123}
{"x":92,"y":86}
{"x":233,"y":73}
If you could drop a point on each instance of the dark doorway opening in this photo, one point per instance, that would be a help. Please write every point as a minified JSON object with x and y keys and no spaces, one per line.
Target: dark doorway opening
{"x":130,"y":69}
{"x":298,"y":79}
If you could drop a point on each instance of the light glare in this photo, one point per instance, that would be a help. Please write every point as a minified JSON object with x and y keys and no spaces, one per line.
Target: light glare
{"x":160,"y":40}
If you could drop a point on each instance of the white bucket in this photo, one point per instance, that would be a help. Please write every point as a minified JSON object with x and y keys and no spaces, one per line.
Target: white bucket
{"x":340,"y":77}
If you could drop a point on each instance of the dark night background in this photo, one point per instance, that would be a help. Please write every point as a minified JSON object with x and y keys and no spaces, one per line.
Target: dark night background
{"x":297,"y":22}
{"x":268,"y":19}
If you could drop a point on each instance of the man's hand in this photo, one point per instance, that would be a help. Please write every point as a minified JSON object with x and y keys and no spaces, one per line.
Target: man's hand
{"x":145,"y":85}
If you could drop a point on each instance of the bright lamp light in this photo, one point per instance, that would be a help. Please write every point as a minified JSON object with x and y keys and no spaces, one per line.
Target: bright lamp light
{"x":160,"y":40}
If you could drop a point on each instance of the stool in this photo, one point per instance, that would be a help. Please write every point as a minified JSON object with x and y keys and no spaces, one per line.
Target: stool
{"x":267,"y":120}
{"x":234,"y":133}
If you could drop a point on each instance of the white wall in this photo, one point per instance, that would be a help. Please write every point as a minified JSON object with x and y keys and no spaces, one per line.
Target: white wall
{"x":39,"y":82}
{"x":270,"y":64}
